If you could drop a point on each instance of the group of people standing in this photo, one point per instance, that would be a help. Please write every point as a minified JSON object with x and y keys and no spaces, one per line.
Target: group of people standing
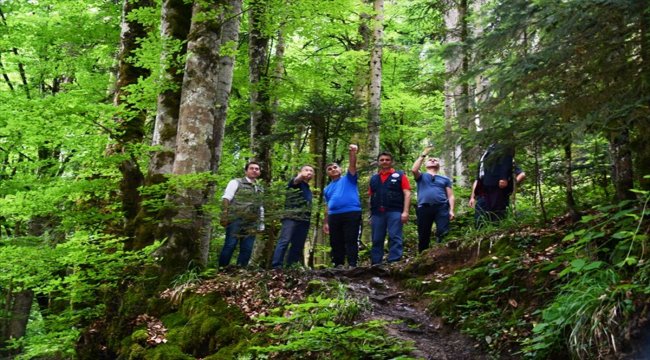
{"x":389,"y":193}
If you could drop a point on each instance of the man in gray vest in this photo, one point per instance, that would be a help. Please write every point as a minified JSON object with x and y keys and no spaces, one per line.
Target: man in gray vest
{"x":242,"y":215}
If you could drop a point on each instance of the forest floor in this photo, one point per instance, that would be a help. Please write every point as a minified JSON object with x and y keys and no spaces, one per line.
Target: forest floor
{"x":405,"y":313}
{"x":403,"y":310}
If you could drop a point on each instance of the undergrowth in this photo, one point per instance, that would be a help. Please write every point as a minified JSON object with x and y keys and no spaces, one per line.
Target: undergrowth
{"x":324,"y":327}
{"x":591,"y":280}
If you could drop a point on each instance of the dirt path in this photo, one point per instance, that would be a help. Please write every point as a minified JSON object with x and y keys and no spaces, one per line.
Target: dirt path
{"x":409,"y":320}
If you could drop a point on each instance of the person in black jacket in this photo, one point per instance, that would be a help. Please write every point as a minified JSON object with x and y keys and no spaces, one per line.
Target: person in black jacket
{"x":494,"y":184}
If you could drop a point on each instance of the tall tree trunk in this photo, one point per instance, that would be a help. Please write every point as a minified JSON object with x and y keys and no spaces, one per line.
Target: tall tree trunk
{"x":175,"y":22}
{"x":457,"y":95}
{"x":619,"y":143}
{"x":262,"y":119}
{"x":130,"y":130}
{"x":642,"y":155}
{"x":318,"y":146}
{"x":261,"y":110}
{"x":538,"y":183}
{"x":196,"y":144}
{"x":374,"y":108}
{"x":176,"y":16}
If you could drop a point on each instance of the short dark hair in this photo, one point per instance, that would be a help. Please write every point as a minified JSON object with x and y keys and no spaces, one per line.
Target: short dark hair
{"x":330,"y":164}
{"x":252,"y":163}
{"x":385,"y":153}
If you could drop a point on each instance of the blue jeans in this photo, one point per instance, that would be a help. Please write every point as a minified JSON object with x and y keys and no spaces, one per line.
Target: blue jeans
{"x":294,"y":233}
{"x":427,"y":215}
{"x":391,"y":222}
{"x":246,"y":235}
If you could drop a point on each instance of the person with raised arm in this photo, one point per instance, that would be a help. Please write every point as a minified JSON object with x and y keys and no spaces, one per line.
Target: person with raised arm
{"x":435,"y":199}
{"x":343,"y":211}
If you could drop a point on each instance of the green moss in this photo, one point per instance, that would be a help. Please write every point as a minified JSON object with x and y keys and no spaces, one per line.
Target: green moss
{"x":139,"y":336}
{"x":174,"y":319}
{"x":167,"y":352}
{"x":136,"y":352}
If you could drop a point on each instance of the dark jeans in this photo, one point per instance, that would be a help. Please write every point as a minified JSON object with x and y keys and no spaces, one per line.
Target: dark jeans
{"x":294,"y":233}
{"x":391,"y":222}
{"x":344,"y":237}
{"x":236,"y":231}
{"x":428,"y":214}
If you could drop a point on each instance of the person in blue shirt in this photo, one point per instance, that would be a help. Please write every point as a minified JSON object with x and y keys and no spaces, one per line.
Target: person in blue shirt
{"x":343,"y":211}
{"x":435,"y":200}
{"x":295,"y":223}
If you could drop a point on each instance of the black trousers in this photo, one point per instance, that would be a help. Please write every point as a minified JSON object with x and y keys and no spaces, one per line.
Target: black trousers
{"x":344,"y":237}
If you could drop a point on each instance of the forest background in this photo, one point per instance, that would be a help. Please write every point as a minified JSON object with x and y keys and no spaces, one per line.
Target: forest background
{"x":121,"y":123}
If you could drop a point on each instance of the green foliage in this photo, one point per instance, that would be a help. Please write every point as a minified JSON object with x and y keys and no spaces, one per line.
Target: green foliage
{"x":587,"y":317}
{"x":606,"y":269}
{"x":327,"y":328}
{"x":78,"y":277}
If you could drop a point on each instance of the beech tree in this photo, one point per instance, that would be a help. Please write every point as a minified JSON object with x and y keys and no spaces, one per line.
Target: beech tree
{"x":199,"y":135}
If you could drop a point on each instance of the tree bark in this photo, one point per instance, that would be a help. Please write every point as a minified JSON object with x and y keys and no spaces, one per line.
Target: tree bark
{"x":199,"y":126}
{"x":374,"y":106}
{"x":131,"y":124}
{"x":262,"y":119}
{"x":175,"y":22}
{"x":457,"y":96}
{"x":18,"y":305}
{"x":623,"y":178}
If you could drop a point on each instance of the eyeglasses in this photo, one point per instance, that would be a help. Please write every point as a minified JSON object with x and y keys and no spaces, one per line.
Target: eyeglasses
{"x":333,"y":167}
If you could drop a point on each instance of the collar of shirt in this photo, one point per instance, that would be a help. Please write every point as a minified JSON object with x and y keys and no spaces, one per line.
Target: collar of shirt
{"x":384,"y":174}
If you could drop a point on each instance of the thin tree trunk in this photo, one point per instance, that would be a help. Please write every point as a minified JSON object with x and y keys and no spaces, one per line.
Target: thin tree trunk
{"x":4,"y":74}
{"x":538,"y":184}
{"x":568,"y":181}
{"x":622,"y":164}
{"x":374,"y":108}
{"x":21,"y":67}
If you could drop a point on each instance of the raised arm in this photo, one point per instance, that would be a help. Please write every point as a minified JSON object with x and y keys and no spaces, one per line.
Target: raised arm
{"x":418,"y":163}
{"x":352,"y":168}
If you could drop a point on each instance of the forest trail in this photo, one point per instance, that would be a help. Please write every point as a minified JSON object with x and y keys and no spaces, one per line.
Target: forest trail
{"x":406,"y":314}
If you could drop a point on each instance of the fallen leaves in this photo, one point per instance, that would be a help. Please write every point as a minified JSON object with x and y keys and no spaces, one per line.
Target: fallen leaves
{"x":156,"y":331}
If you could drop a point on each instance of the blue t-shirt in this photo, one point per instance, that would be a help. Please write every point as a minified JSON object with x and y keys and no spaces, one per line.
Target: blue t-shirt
{"x":432,"y":189}
{"x":342,"y":195}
